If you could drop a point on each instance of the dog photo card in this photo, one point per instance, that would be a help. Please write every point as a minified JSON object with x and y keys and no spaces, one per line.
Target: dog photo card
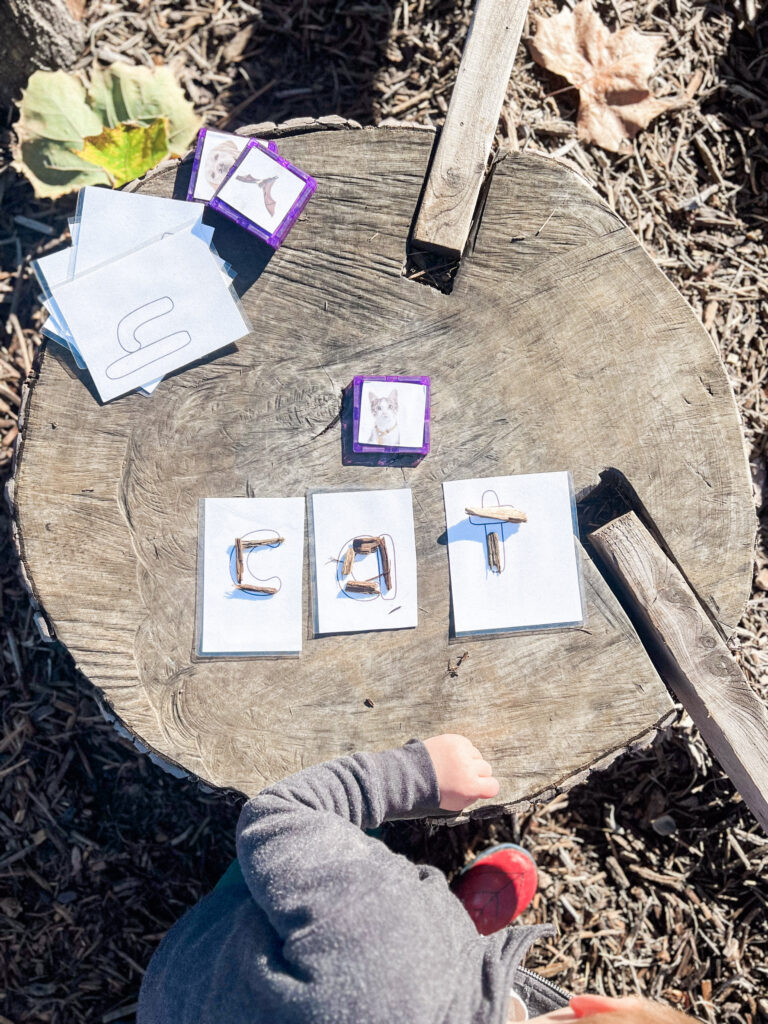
{"x":391,"y":414}
{"x":250,"y":568}
{"x":264,"y":193}
{"x":215,"y":155}
{"x":364,"y":561}
{"x":516,"y":566}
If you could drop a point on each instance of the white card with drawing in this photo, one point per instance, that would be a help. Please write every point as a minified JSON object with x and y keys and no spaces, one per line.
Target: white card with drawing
{"x":364,"y":561}
{"x":509,"y":576}
{"x":114,"y":223}
{"x":251,"y":558}
{"x":148,"y":313}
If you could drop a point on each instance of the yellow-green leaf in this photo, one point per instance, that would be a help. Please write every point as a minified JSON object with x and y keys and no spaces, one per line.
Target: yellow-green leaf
{"x":54,"y":170}
{"x":123,"y":92}
{"x":58,"y":124}
{"x":127,"y":151}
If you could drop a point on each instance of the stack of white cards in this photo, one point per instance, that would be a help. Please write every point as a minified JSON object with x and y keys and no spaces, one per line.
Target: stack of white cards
{"x":140,"y":293}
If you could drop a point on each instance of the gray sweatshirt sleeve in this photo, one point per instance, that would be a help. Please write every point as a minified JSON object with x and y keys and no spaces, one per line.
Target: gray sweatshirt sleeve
{"x":300,"y":843}
{"x":331,"y":927}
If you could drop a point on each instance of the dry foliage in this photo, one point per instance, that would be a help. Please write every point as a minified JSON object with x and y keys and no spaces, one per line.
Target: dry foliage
{"x":611,"y":70}
{"x":654,"y":872}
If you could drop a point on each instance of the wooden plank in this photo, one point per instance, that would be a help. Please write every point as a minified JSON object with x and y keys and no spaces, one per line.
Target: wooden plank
{"x":691,"y":656}
{"x":565,"y":348}
{"x":460,"y":163}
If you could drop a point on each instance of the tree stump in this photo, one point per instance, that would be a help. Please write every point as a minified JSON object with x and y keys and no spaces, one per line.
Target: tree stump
{"x":35,"y":35}
{"x":561,"y":347}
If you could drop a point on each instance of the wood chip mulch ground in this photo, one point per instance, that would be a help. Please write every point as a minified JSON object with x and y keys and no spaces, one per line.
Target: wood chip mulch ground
{"x":654,"y":871}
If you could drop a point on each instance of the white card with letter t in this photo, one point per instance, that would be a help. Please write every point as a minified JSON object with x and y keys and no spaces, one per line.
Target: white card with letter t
{"x":513,"y":554}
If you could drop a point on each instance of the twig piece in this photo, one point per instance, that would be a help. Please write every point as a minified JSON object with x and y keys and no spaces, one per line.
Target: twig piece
{"x":269,"y":542}
{"x":494,"y":552}
{"x":386,"y":570}
{"x":362,"y":587}
{"x":21,"y":343}
{"x":501,"y":513}
{"x":239,"y":559}
{"x":251,"y":588}
{"x":349,"y":557}
{"x":366,"y":545}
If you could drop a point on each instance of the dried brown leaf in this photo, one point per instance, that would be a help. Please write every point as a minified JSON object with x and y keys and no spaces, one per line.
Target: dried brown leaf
{"x":610,"y":69}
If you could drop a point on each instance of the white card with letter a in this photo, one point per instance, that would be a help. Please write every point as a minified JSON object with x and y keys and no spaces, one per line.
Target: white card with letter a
{"x":364,"y":553}
{"x":513,"y":576}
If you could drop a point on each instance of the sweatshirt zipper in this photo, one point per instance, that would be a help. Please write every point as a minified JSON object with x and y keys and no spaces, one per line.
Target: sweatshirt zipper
{"x":532,"y":974}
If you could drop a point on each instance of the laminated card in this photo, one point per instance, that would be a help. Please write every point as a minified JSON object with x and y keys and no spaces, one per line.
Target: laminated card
{"x":264,"y":193}
{"x":513,"y":553}
{"x":113,"y":223}
{"x":364,"y":561}
{"x":150,"y":312}
{"x":250,"y":576}
{"x":110,"y":224}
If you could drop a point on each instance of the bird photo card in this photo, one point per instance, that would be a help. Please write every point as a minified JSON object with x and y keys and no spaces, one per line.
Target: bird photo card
{"x":264,"y":193}
{"x":364,"y":561}
{"x":215,"y":155}
{"x":250,"y":567}
{"x":513,"y":554}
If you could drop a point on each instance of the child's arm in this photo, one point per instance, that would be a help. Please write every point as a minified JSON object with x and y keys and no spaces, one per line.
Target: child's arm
{"x":300,"y":827}
{"x":332,"y":893}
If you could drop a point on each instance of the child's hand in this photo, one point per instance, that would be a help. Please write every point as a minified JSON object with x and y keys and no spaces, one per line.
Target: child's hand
{"x":462,"y":774}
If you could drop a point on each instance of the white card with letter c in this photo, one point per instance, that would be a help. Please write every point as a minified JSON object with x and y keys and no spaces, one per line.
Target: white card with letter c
{"x":244,"y":622}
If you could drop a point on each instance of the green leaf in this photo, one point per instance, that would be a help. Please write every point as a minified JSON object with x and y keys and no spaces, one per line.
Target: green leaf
{"x":101,"y":97}
{"x":54,"y":170}
{"x":61,"y":142}
{"x":53,"y":106}
{"x":123,"y":92}
{"x":128,"y":150}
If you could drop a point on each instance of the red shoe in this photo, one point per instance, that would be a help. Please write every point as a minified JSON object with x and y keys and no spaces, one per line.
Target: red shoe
{"x":497,"y":886}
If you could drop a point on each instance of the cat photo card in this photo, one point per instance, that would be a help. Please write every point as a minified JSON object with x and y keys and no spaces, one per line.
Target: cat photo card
{"x":264,"y":193}
{"x":250,"y":569}
{"x":215,"y":155}
{"x":513,"y":554}
{"x":391,"y":414}
{"x":363,"y":560}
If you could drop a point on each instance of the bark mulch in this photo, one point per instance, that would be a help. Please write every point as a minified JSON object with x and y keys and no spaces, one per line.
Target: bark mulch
{"x":654,"y":871}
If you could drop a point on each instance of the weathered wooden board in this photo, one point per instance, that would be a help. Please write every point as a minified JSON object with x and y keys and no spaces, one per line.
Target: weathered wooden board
{"x":562,"y":346}
{"x":691,"y":656}
{"x":458,"y":169}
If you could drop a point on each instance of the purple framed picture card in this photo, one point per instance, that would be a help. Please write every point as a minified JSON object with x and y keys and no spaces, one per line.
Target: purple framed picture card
{"x":391,"y":414}
{"x":264,"y":193}
{"x":215,"y":155}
